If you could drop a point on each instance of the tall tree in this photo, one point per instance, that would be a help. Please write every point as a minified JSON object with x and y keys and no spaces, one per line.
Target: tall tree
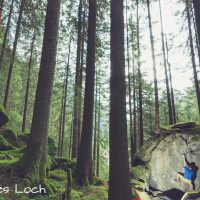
{"x":65,"y":101}
{"x":141,"y":132}
{"x":95,"y":129}
{"x":75,"y":141}
{"x":134,"y":136}
{"x":165,"y":68}
{"x":119,"y":175}
{"x":171,"y":84}
{"x":1,"y":11}
{"x":157,"y":117}
{"x":84,"y":162}
{"x":6,"y":34}
{"x":34,"y":154}
{"x":196,"y":5}
{"x":28,"y":83}
{"x":196,"y":81}
{"x":129,"y":73}
{"x":98,"y":134}
{"x":17,"y":34}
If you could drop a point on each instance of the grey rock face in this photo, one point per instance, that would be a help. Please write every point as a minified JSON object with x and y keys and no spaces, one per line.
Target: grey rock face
{"x":162,"y":159}
{"x":167,"y":160}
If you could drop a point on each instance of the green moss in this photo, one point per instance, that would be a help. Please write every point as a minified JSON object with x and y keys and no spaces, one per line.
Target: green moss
{"x":16,"y":153}
{"x":95,"y":193}
{"x":184,"y":125}
{"x":58,"y":175}
{"x":10,"y":136}
{"x":57,"y":186}
{"x":5,"y":145}
{"x":76,"y":195}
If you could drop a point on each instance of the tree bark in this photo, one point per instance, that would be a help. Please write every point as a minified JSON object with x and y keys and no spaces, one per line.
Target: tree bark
{"x":119,"y":175}
{"x":196,"y":81}
{"x":28,"y":84}
{"x":17,"y":34}
{"x":84,"y":162}
{"x":134,"y":136}
{"x":129,"y":74}
{"x":196,"y":5}
{"x":171,"y":85}
{"x":98,"y":136}
{"x":157,"y":115}
{"x":1,"y":11}
{"x":31,"y":162}
{"x":6,"y":34}
{"x":65,"y":101}
{"x":75,"y":142}
{"x":165,"y":68}
{"x":141,"y":131}
{"x":95,"y":130}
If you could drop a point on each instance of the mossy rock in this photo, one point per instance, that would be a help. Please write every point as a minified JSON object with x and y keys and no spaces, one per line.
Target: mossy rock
{"x":3,"y":117}
{"x":5,"y":145}
{"x":98,"y":181}
{"x":63,"y":163}
{"x":185,"y":125}
{"x":140,"y":176}
{"x":58,"y":175}
{"x":10,"y":136}
{"x":51,"y":147}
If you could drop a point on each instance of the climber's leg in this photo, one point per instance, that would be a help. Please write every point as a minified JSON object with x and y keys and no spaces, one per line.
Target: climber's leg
{"x":179,"y":176}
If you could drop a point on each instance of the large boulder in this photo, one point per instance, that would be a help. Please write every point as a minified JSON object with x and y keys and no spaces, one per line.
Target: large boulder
{"x":163,"y":159}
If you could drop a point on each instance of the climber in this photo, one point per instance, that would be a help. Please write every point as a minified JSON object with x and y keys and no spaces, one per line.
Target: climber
{"x":188,"y":175}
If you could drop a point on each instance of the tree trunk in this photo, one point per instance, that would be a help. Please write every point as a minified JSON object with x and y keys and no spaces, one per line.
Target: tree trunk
{"x":129,"y":74}
{"x":196,"y":81}
{"x":70,"y":140}
{"x":134,"y":135}
{"x":17,"y":34}
{"x":28,"y":84}
{"x":95,"y":131}
{"x":157,"y":117}
{"x":119,"y":175}
{"x":65,"y":101}
{"x":171,"y":85}
{"x":75,"y":142}
{"x":141,"y":132}
{"x":34,"y":154}
{"x":61,"y":121}
{"x":98,"y":136}
{"x":6,"y":34}
{"x":1,"y":11}
{"x":81,"y":79}
{"x":196,"y":5}
{"x":165,"y":68}
{"x":196,"y":35}
{"x":84,"y":162}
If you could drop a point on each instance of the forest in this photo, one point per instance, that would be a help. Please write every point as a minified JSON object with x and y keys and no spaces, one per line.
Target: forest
{"x":99,"y":99}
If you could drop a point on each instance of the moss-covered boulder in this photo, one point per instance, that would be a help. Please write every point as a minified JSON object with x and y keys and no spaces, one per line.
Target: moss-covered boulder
{"x":5,"y":145}
{"x":3,"y":117}
{"x":10,"y":136}
{"x":62,"y":163}
{"x":140,"y":177}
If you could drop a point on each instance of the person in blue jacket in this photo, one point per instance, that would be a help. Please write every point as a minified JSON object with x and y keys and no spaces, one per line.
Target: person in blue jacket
{"x":188,"y":175}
